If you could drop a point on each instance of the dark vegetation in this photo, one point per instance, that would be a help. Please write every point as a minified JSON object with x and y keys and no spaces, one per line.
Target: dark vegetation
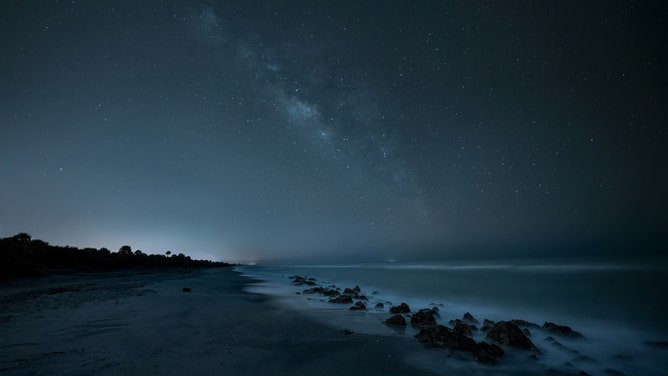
{"x":21,"y":256}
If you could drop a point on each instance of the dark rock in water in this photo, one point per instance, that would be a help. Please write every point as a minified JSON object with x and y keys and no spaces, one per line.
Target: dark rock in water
{"x":380,"y":306}
{"x":357,"y":289}
{"x":470,"y":319}
{"x":401,"y":308}
{"x":526,"y":332}
{"x":487,"y":325}
{"x":342,"y":299}
{"x":322,"y":290}
{"x":442,"y":336}
{"x":463,"y":328}
{"x":562,"y":330}
{"x":423,"y":317}
{"x":525,"y":323}
{"x":463,"y":325}
{"x":187,"y":289}
{"x":487,"y":353}
{"x":299,"y":280}
{"x":509,"y":334}
{"x":347,"y":331}
{"x":350,"y":292}
{"x":359,"y":306}
{"x":397,"y":320}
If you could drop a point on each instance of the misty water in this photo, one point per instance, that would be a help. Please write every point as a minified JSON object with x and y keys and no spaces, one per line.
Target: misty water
{"x":620,"y":308}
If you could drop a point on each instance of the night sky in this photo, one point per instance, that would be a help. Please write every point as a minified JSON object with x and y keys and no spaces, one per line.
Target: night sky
{"x":350,"y":130}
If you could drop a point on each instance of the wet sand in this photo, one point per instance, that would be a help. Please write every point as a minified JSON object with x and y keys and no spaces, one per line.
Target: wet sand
{"x":133,"y":323}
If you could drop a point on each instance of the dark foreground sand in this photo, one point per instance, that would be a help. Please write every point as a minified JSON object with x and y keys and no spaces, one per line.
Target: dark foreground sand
{"x":132,"y":324}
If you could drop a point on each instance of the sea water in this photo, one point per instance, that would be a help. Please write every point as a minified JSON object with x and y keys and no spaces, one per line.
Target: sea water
{"x":621,"y":309}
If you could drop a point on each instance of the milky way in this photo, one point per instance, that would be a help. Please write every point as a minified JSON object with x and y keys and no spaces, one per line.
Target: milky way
{"x":299,"y":130}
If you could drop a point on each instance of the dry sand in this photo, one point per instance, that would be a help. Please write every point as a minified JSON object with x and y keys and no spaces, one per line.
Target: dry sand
{"x":133,"y":323}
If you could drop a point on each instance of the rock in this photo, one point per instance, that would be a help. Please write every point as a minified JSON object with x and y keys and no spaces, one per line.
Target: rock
{"x":187,"y":289}
{"x":487,"y":325}
{"x":347,"y":331}
{"x":322,"y":291}
{"x":358,"y":306}
{"x":463,"y":328}
{"x":380,"y":306}
{"x":397,"y":320}
{"x":357,"y":289}
{"x":423,"y":317}
{"x":442,"y":336}
{"x":341,"y":299}
{"x":469,"y":318}
{"x":526,"y":332}
{"x":401,"y":308}
{"x":525,"y":323}
{"x":350,"y":292}
{"x":562,"y":330}
{"x":299,"y":280}
{"x":487,"y":353}
{"x":509,"y":334}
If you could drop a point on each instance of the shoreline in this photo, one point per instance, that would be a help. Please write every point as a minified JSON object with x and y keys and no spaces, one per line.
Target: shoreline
{"x":127,"y":323}
{"x":543,"y":348}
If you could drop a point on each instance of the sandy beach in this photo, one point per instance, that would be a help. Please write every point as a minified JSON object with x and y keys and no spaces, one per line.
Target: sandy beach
{"x":126,"y":323}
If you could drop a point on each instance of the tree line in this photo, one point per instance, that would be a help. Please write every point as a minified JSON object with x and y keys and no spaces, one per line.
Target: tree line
{"x":22,"y":256}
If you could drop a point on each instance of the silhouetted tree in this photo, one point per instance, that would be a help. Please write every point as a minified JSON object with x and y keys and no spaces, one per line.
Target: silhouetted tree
{"x":20,"y":256}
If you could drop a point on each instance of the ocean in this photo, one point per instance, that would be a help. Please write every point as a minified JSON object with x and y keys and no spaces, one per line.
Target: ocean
{"x":620,"y":308}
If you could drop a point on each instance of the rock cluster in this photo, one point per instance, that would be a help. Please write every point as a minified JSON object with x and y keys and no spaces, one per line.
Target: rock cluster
{"x":499,"y":336}
{"x":401,"y":308}
{"x":442,"y":336}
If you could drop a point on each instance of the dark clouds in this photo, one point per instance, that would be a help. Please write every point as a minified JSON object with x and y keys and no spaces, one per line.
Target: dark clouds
{"x":281,"y":130}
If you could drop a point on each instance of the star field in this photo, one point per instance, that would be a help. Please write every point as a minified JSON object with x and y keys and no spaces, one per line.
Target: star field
{"x":295,"y":130}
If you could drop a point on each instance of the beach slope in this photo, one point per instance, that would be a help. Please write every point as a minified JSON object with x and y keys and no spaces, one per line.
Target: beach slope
{"x":133,"y":323}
